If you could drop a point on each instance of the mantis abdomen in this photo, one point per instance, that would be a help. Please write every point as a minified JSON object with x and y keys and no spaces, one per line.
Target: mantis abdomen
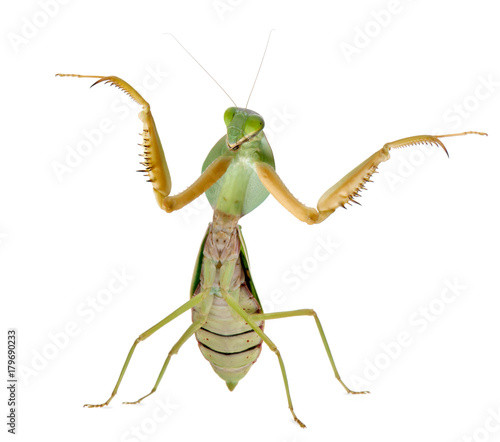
{"x":225,"y":339}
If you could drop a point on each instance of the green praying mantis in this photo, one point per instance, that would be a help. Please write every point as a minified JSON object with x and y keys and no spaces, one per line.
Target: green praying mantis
{"x":238,"y":174}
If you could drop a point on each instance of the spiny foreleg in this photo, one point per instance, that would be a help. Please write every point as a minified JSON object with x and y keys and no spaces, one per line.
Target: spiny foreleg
{"x":345,"y":190}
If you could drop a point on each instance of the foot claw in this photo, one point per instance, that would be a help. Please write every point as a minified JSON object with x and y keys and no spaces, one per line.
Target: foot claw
{"x":302,"y":425}
{"x":95,"y":405}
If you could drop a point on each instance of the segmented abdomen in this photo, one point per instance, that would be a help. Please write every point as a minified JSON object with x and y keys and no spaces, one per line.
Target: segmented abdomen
{"x":226,"y":340}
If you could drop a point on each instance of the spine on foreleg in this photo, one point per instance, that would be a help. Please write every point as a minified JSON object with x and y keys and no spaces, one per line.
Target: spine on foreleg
{"x":226,"y":341}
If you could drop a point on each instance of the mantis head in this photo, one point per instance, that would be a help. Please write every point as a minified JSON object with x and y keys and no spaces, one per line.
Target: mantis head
{"x":242,"y":125}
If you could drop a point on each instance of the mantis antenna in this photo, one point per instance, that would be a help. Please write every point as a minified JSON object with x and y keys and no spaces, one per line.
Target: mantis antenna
{"x":199,"y":64}
{"x":258,"y":72}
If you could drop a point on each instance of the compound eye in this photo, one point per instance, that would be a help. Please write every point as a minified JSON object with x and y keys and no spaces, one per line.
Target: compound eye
{"x":254,"y":124}
{"x":228,"y":115}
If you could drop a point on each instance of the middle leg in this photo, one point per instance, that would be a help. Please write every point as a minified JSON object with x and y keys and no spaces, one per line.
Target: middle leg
{"x":175,"y":349}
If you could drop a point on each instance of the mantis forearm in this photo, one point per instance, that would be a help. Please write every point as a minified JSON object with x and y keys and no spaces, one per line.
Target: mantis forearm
{"x":345,"y":190}
{"x":155,"y":165}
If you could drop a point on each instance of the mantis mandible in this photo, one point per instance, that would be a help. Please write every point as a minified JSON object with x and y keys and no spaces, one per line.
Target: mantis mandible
{"x":238,"y":174}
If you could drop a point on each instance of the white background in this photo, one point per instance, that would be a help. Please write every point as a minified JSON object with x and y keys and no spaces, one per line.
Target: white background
{"x":426,"y":222}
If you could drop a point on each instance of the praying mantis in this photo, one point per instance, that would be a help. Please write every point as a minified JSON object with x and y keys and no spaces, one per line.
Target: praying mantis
{"x":238,"y":174}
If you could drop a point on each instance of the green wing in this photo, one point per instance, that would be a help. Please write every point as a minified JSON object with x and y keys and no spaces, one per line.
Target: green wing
{"x":197,"y":269}
{"x":246,"y":266}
